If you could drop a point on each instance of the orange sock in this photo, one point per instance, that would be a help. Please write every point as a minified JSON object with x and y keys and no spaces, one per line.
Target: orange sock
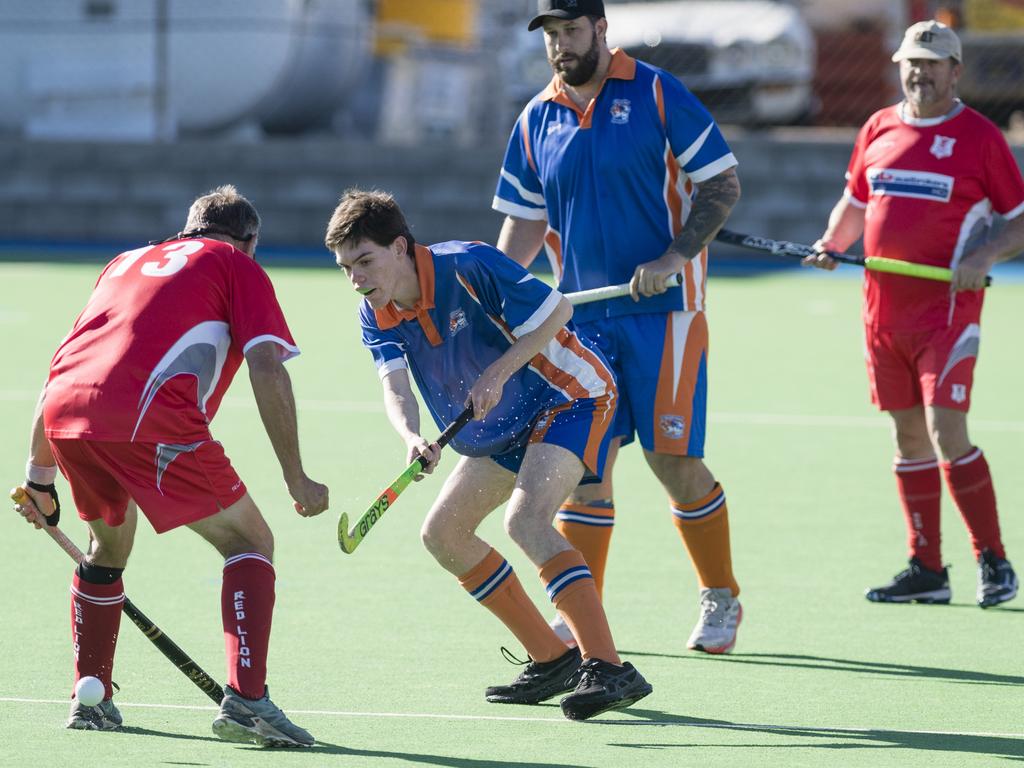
{"x":571,"y":588}
{"x":704,"y":526}
{"x":495,"y":585}
{"x":588,"y":527}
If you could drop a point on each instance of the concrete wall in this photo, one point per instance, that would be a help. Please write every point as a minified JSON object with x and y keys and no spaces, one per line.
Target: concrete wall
{"x":137,"y":192}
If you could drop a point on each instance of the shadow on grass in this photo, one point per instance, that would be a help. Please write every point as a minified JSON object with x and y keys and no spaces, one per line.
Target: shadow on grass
{"x":800,"y":661}
{"x":827,"y":738}
{"x":322,"y":748}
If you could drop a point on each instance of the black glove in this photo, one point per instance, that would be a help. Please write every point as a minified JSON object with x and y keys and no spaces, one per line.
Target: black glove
{"x":51,"y":520}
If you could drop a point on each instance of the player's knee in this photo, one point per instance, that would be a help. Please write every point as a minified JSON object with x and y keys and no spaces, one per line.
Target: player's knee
{"x":110,"y":554}
{"x":434,"y":537}
{"x":520,"y":525}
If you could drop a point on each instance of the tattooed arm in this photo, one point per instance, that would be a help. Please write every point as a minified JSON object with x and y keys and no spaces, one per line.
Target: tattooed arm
{"x":715,"y":199}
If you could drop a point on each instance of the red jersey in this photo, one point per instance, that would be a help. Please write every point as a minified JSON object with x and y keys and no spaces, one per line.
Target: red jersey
{"x":930,"y":187}
{"x":161,"y":337}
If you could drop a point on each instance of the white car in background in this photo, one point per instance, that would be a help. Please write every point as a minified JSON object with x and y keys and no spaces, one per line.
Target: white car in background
{"x":749,"y":61}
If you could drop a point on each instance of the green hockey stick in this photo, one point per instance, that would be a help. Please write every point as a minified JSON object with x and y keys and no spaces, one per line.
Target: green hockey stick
{"x":348,"y":540}
{"x":874,"y":263}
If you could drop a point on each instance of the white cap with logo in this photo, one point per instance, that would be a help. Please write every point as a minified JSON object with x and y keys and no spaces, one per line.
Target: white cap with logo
{"x":929,"y":40}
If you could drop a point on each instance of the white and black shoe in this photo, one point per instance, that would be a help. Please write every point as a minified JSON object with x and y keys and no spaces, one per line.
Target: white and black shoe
{"x":916,"y":584}
{"x":257,"y":721}
{"x":997,"y":581}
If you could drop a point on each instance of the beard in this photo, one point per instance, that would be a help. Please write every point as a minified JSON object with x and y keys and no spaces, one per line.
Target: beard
{"x":578,"y":70}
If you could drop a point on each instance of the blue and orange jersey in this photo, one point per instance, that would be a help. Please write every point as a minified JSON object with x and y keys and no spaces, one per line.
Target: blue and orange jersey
{"x":474,"y":303}
{"x":615,"y":182}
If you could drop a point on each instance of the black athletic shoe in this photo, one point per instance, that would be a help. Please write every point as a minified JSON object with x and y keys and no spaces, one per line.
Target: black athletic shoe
{"x":604,"y":686}
{"x":997,"y":582}
{"x":916,"y":584}
{"x":539,"y":680}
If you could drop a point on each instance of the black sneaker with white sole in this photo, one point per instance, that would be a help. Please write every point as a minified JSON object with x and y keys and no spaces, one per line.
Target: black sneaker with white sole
{"x":997,"y":582}
{"x":539,"y":680}
{"x":604,"y":686}
{"x":916,"y":584}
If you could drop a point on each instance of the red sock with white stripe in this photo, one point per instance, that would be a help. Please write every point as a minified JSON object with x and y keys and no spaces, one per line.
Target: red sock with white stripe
{"x":95,"y":620}
{"x":247,"y":607}
{"x":920,"y":489}
{"x":970,"y":482}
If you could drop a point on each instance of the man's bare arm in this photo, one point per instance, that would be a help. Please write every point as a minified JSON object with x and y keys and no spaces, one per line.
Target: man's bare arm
{"x":521,"y":239}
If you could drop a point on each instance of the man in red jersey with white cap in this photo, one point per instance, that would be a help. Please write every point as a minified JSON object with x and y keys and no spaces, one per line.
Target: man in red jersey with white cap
{"x":924,"y":181}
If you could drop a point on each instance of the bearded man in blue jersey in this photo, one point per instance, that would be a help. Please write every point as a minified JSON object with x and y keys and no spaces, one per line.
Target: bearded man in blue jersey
{"x":475,"y":328}
{"x":621,"y":175}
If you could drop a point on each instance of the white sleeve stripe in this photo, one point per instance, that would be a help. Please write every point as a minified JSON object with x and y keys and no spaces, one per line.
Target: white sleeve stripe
{"x":527,"y":195}
{"x":543,"y":313}
{"x":391,"y":366}
{"x":694,"y":148}
{"x":710,"y":170}
{"x":1009,"y":215}
{"x":519,"y":211}
{"x":290,"y":350}
{"x":853,"y":200}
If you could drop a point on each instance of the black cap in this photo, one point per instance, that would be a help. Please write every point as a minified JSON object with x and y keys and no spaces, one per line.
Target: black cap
{"x":565,"y":9}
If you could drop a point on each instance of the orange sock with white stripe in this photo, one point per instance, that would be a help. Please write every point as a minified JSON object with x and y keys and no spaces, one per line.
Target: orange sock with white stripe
{"x":570,"y":586}
{"x":704,"y":526}
{"x":588,"y":527}
{"x":494,"y":584}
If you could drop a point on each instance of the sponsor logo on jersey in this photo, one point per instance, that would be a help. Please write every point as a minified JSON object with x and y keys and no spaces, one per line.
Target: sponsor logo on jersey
{"x":922,"y":185}
{"x":620,"y":111}
{"x":456,"y":322}
{"x":673,"y":427}
{"x":942,"y":147}
{"x":553,"y":127}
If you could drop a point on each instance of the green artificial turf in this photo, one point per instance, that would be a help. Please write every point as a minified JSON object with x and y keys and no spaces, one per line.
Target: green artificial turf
{"x":383,"y":657}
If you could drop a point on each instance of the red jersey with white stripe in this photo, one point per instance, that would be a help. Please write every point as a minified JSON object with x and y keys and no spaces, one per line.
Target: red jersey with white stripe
{"x":161,"y":337}
{"x":930,"y":187}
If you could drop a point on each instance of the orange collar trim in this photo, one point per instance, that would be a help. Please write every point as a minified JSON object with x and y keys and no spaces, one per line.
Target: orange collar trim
{"x":391,"y":315}
{"x":621,"y":67}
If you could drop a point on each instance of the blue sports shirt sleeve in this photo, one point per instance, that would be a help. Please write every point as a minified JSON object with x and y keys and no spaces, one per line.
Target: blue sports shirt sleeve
{"x":696,"y":141}
{"x":386,"y":347}
{"x":504,"y":289}
{"x":520,"y":192}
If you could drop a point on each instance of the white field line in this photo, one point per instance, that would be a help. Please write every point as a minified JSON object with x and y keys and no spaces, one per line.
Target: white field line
{"x":555,"y":720}
{"x":717,"y":417}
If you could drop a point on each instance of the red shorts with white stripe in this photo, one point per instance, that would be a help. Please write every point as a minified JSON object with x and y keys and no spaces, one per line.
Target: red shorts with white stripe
{"x":660,"y":361}
{"x":173,"y":485}
{"x":930,"y":368}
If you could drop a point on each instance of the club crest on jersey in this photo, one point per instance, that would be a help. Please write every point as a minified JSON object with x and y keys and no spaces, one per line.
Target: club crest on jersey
{"x":620,"y":111}
{"x":942,"y":147}
{"x":958,"y":393}
{"x":456,"y":322}
{"x":673,"y":427}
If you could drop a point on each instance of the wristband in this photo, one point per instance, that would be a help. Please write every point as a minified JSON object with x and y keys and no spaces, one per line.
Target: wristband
{"x":50,"y":489}
{"x":38,"y":474}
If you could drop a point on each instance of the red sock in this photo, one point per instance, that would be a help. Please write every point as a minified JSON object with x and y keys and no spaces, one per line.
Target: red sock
{"x":970,"y":482}
{"x":920,"y":488}
{"x":95,"y":620}
{"x":247,"y":606}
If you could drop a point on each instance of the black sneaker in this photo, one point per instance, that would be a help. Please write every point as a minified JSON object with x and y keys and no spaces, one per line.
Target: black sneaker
{"x":604,"y":686}
{"x":539,"y":681}
{"x":997,"y":582}
{"x":916,"y":584}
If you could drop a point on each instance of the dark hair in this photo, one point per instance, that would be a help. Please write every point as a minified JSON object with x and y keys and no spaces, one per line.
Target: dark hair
{"x":367,"y":215}
{"x":222,"y":212}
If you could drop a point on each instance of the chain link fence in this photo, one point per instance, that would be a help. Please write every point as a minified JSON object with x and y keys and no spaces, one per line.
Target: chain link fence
{"x":457,"y":72}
